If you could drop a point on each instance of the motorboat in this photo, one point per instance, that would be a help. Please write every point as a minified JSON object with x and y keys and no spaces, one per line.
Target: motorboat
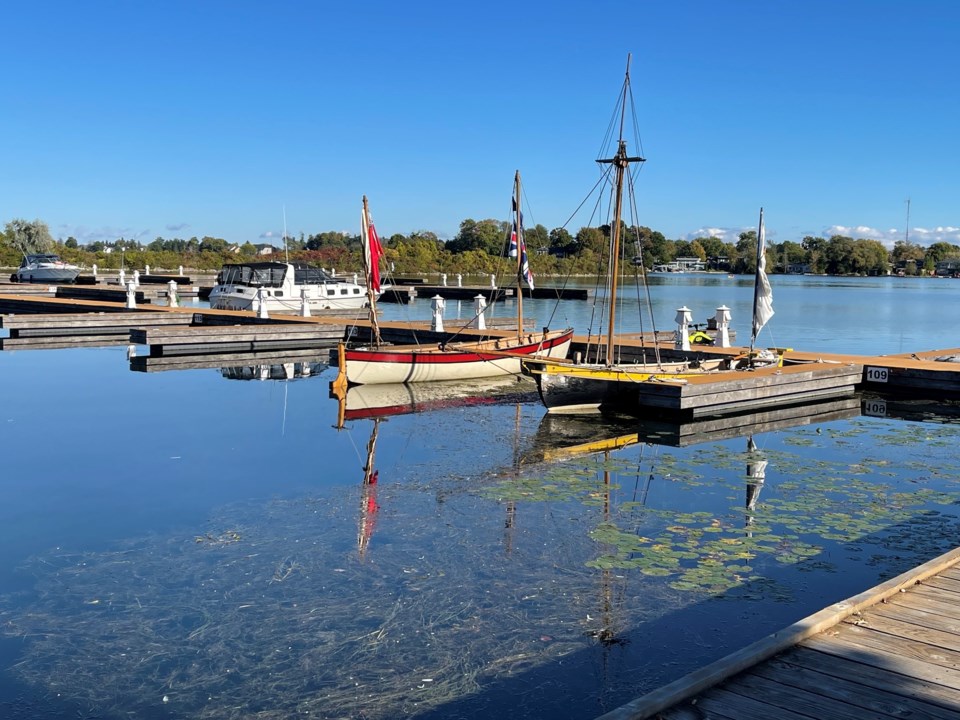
{"x":45,"y":268}
{"x":284,"y":288}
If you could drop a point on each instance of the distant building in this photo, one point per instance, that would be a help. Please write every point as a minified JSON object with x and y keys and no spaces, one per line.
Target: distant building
{"x":798,"y":268}
{"x":948,"y":268}
{"x":264,"y":249}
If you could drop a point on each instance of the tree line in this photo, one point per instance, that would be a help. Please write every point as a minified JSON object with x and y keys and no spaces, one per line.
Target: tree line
{"x":479,"y":246}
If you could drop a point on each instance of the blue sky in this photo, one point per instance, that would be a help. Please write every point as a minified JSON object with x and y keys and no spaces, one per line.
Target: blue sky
{"x":179,"y":119}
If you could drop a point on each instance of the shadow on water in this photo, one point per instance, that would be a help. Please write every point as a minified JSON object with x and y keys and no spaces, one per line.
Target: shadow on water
{"x":554,"y":589}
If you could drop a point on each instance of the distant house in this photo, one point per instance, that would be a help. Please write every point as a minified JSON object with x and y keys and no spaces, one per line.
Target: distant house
{"x":798,"y":268}
{"x":948,"y":268}
{"x":264,"y":249}
{"x":234,"y":249}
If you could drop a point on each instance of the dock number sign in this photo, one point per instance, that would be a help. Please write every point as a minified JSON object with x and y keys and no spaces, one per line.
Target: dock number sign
{"x":878,"y":374}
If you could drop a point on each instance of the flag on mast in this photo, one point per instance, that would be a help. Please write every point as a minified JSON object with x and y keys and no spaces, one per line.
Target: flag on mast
{"x":372,"y":250}
{"x":763,"y":293}
{"x":517,"y":244}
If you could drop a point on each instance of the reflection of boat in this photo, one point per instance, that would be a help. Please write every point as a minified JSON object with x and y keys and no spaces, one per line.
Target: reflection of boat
{"x":562,"y":436}
{"x":283,"y":288}
{"x":276,"y":371}
{"x":365,"y":401}
{"x":45,"y":267}
{"x":448,"y":361}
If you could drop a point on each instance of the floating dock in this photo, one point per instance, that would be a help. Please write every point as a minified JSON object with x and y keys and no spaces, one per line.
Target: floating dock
{"x":235,"y":338}
{"x":890,"y":652}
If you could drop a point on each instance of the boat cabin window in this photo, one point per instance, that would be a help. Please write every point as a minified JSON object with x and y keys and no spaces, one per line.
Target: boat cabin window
{"x":306,"y":275}
{"x":255,"y":275}
{"x":331,"y":291}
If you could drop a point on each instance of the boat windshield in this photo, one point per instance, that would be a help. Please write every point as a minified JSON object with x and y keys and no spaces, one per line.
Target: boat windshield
{"x":253,"y":274}
{"x":306,"y":275}
{"x":36,"y":259}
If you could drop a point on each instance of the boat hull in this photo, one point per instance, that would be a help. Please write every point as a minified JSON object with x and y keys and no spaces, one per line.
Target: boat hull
{"x":224,"y":300}
{"x":66,"y":274}
{"x":492,"y":358}
{"x":590,"y":389}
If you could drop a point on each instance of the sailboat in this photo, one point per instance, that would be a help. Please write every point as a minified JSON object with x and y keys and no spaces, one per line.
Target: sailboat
{"x":381,"y":363}
{"x":607,"y":383}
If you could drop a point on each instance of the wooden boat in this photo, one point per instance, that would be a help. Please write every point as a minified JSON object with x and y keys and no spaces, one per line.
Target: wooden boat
{"x":607,"y":384}
{"x":452,"y":360}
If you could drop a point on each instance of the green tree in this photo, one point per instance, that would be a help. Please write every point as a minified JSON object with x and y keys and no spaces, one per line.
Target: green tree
{"x":592,"y":239}
{"x":562,"y":242}
{"x":29,"y":237}
{"x":487,"y":235}
{"x":816,"y":249}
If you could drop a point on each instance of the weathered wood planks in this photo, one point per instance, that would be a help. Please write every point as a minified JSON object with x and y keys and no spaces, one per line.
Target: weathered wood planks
{"x":891,"y":652}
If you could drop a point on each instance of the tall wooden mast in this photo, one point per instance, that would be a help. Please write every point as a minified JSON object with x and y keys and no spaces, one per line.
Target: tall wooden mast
{"x":368,"y":261}
{"x":621,"y":161}
{"x":520,"y":242}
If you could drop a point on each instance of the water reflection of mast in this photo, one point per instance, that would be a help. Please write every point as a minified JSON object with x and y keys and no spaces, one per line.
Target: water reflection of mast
{"x":756,"y":475}
{"x":511,"y":504}
{"x":607,"y":634}
{"x":368,"y":494}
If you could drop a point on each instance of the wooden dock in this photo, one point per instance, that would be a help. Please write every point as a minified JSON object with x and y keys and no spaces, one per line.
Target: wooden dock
{"x":234,"y":338}
{"x":890,"y":652}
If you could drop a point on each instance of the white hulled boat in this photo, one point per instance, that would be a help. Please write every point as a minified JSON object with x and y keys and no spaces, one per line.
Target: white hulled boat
{"x":283,"y":288}
{"x":45,"y":268}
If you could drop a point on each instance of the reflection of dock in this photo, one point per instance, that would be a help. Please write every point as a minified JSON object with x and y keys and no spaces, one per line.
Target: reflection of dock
{"x":891,"y":651}
{"x":561,"y":436}
{"x":224,"y":361}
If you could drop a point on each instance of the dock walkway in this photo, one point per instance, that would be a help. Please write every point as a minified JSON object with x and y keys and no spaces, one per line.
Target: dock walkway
{"x":890,"y":652}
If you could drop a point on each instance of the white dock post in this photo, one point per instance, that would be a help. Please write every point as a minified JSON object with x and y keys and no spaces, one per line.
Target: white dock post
{"x":443,"y":279}
{"x":94,"y":272}
{"x":723,"y":326}
{"x":355,"y":278}
{"x":136,"y":278}
{"x":123,"y":278}
{"x":172,"y":299}
{"x":131,"y":295}
{"x":682,"y":340}
{"x":459,"y":280}
{"x":261,"y":305}
{"x":479,"y":307}
{"x":304,"y":303}
{"x":437,"y":305}
{"x":180,"y":271}
{"x":147,"y":270}
{"x":493,"y":280}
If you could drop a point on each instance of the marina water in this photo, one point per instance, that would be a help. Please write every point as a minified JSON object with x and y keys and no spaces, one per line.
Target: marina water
{"x":188,"y":545}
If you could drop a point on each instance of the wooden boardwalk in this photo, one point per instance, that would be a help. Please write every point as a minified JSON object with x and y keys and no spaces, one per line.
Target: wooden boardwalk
{"x":891,"y":652}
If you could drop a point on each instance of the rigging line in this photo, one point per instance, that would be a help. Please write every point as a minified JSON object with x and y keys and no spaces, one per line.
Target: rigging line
{"x":646,"y":283}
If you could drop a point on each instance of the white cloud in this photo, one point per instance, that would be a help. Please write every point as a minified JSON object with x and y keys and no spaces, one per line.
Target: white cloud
{"x":177,"y":227}
{"x":84,"y":235}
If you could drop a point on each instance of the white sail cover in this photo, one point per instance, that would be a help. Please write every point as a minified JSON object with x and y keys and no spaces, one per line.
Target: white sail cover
{"x":763,"y":294}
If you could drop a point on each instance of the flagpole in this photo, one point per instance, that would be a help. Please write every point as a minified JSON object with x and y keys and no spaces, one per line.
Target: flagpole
{"x":520,"y":241}
{"x":761,"y":249}
{"x":368,"y":260}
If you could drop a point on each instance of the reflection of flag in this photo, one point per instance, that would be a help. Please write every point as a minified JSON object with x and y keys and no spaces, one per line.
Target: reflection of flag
{"x":762,"y":294}
{"x":516,"y":240}
{"x":372,"y":251}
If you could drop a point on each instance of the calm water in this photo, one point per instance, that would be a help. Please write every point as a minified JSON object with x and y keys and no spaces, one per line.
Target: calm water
{"x":184,"y":545}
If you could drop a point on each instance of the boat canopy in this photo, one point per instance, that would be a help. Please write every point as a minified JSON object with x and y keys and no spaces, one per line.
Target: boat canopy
{"x":40,"y":258}
{"x":271,"y":274}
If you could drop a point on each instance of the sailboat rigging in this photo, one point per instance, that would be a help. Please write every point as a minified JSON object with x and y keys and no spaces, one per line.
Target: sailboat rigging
{"x":609,"y":383}
{"x":380,"y":363}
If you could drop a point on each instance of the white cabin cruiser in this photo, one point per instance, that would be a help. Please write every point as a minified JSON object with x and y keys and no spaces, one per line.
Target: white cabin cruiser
{"x":45,"y":268}
{"x":282,"y":288}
